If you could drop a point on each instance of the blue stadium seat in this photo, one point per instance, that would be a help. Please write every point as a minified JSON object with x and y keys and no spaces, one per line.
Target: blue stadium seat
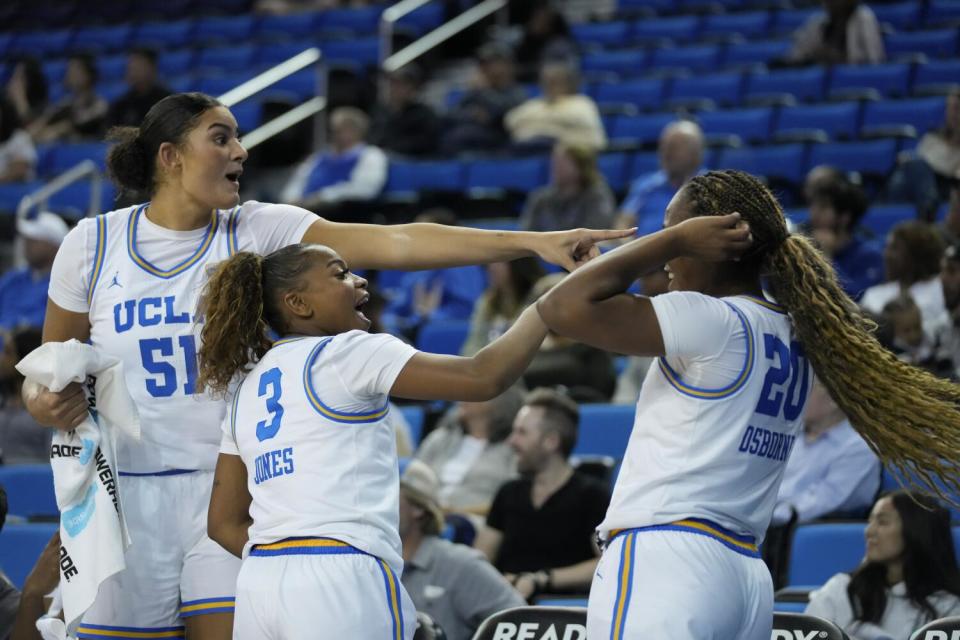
{"x":935,"y":43}
{"x":601,"y":33}
{"x":40,"y":43}
{"x":644,"y":129}
{"x":626,"y":62}
{"x":604,"y":429}
{"x":225,"y":28}
{"x":696,"y":59}
{"x":228,"y":60}
{"x":789,"y":607}
{"x":29,"y":490}
{"x":423,"y":19}
{"x":74,"y":200}
{"x":182,"y":83}
{"x":175,"y":63}
{"x":820,"y":550}
{"x":888,"y":79}
{"x":276,"y":52}
{"x":676,"y":28}
{"x":874,"y":157}
{"x":888,"y":481}
{"x":67,"y":154}
{"x":112,"y":90}
{"x":54,"y":70}
{"x":943,"y":11}
{"x":165,"y":35}
{"x":249,"y":115}
{"x":404,"y":176}
{"x":836,"y":120}
{"x":752,"y":125}
{"x":900,"y":16}
{"x":643,"y":163}
{"x":361,"y":20}
{"x":789,"y":20}
{"x":6,"y":39}
{"x":217,"y":84}
{"x":357,"y":52}
{"x":613,"y":166}
{"x":750,"y":24}
{"x":721,"y":88}
{"x":443,"y":336}
{"x":881,"y":218}
{"x":632,"y":6}
{"x":11,"y":193}
{"x":922,"y":114}
{"x":521,"y":174}
{"x":288,"y":27}
{"x":302,"y":84}
{"x":414,"y":415}
{"x":20,"y":546}
{"x":112,"y":68}
{"x":102,"y":39}
{"x":802,"y":84}
{"x":936,"y":73}
{"x":643,"y":93}
{"x":784,"y":161}
{"x":748,"y":53}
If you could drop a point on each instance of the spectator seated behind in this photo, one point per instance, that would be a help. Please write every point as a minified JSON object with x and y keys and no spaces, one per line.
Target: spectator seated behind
{"x":434,"y":294}
{"x":546,"y":37}
{"x":946,"y":337}
{"x":540,"y":529}
{"x":18,"y":156}
{"x":560,"y":115}
{"x":508,"y":287}
{"x":577,"y":196}
{"x":402,"y":124}
{"x":908,"y":577}
{"x":585,"y":372}
{"x":846,"y":32}
{"x":452,"y":583}
{"x":81,"y":114}
{"x":348,"y":170}
{"x":476,"y":123}
{"x":680,"y":151}
{"x":926,"y":179}
{"x":145,"y":90}
{"x":469,"y":454}
{"x":27,"y":90}
{"x":908,"y":339}
{"x":21,"y":438}
{"x":836,"y":208}
{"x":911,"y":261}
{"x":23,"y":291}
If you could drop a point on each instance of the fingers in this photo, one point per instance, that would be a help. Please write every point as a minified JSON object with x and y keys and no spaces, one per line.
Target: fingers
{"x":610,"y":234}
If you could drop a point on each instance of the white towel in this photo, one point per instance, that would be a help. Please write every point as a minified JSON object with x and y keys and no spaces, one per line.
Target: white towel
{"x":50,"y":625}
{"x":93,"y":534}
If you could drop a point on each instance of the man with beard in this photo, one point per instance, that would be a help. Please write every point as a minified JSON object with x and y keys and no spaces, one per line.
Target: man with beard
{"x":540,"y":529}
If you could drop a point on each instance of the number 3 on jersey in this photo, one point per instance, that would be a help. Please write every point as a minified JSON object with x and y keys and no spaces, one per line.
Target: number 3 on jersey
{"x":788,"y":366}
{"x":270,"y":384}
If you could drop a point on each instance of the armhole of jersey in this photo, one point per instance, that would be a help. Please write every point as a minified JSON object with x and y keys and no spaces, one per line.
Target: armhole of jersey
{"x":328,"y":412}
{"x":233,"y":414}
{"x":99,"y":253}
{"x":716,"y":394}
{"x":233,"y":221}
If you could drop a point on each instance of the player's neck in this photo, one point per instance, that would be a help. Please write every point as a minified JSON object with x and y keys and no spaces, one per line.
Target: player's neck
{"x":177,"y":212}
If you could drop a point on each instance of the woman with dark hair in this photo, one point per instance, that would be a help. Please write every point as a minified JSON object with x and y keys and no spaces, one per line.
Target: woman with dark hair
{"x":81,"y":114}
{"x":129,"y":280}
{"x":509,"y":284}
{"x":27,"y":89}
{"x":18,"y":156}
{"x":577,"y":196}
{"x":908,"y":578}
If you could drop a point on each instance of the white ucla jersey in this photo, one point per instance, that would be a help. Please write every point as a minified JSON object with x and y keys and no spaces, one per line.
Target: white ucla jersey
{"x":309,"y":422}
{"x":716,"y":418}
{"x":144,"y":312}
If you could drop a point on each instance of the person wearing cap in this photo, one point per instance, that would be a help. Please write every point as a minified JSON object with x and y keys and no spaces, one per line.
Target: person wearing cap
{"x":23,"y":291}
{"x":402,"y":123}
{"x":452,"y":583}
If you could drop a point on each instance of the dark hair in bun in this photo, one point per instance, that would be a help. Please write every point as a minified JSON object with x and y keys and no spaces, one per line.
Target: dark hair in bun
{"x":131,"y":162}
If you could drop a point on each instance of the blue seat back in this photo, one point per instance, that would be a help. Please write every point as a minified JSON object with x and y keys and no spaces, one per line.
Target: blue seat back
{"x":604,"y":429}
{"x":29,"y":490}
{"x":752,"y":125}
{"x":840,"y":119}
{"x":20,"y":546}
{"x":875,"y":157}
{"x":443,"y":336}
{"x":923,"y":114}
{"x":820,"y":550}
{"x":802,"y":84}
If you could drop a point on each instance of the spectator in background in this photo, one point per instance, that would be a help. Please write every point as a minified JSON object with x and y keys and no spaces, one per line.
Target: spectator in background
{"x":9,"y":596}
{"x":836,"y":208}
{"x":145,"y":90}
{"x":820,"y":177}
{"x":926,"y":179}
{"x":18,"y":156}
{"x":20,"y":438}
{"x":402,"y":123}
{"x":560,"y":115}
{"x":946,"y":361}
{"x":452,"y":583}
{"x":911,"y":260}
{"x":950,"y":227}
{"x":508,"y":286}
{"x":434,"y":294}
{"x":23,"y":291}
{"x":908,"y":340}
{"x":908,"y":578}
{"x":680,"y":151}
{"x":43,"y":579}
{"x":27,"y":90}
{"x":476,"y":124}
{"x":584,"y":371}
{"x":540,"y":530}
{"x":577,"y":195}
{"x":469,"y":454}
{"x":349,"y":170}
{"x":546,"y":37}
{"x":81,"y":114}
{"x":846,"y":32}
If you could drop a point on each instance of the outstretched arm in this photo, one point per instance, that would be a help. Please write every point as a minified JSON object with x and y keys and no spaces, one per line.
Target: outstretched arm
{"x":591,"y":306}
{"x":432,"y":246}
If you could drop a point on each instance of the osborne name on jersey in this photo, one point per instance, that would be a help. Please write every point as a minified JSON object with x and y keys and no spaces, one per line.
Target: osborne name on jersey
{"x":766,"y":444}
{"x":148,"y":312}
{"x":273,"y":464}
